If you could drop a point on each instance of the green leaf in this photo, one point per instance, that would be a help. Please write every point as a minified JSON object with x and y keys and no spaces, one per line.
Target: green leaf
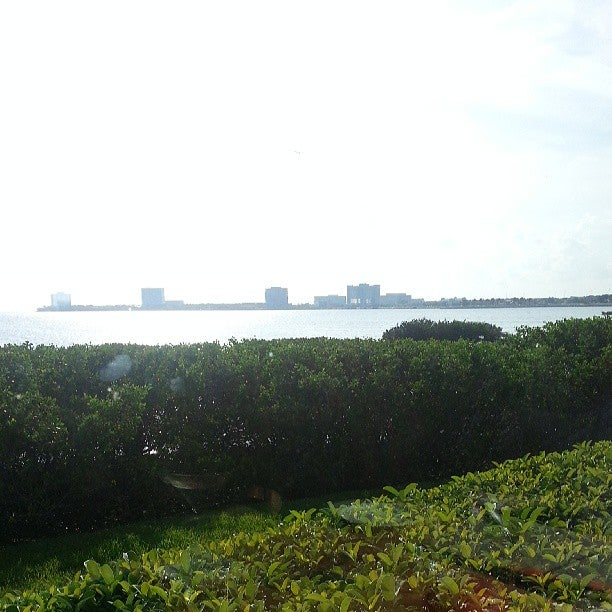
{"x":536,"y":513}
{"x":387,"y":587}
{"x":386,"y":559}
{"x":250,"y":589}
{"x":93,"y":569}
{"x":506,"y":516}
{"x":465,"y":550}
{"x":159,"y":592}
{"x":107,"y":574}
{"x":451,"y":586}
{"x":316,"y":597}
{"x":397,"y":552}
{"x":272,"y":567}
{"x":584,"y":582}
{"x":185,"y":560}
{"x":362,"y":582}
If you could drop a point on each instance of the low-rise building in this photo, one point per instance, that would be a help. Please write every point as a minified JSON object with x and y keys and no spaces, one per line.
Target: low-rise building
{"x":391,"y":300}
{"x":329,"y":301}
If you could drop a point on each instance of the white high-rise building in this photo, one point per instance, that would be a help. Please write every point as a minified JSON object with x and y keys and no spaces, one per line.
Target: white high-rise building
{"x":61,"y":301}
{"x":153,"y":297}
{"x":277,"y":297}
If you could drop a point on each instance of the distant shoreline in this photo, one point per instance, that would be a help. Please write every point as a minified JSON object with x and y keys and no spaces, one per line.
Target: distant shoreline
{"x":587,"y":302}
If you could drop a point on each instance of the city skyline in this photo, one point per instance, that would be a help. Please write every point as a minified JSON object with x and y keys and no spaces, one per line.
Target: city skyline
{"x":136,"y":297}
{"x":357,"y":296}
{"x":440,"y":148}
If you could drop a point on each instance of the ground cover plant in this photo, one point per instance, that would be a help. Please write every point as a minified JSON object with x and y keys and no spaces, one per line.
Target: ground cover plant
{"x":92,"y":436}
{"x":528,"y":534}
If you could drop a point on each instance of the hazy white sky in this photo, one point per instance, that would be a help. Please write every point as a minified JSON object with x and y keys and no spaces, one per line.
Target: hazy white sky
{"x":459,"y":148}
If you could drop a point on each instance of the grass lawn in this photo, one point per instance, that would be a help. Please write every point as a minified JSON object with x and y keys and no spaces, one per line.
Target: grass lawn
{"x":41,"y":563}
{"x":38,"y":564}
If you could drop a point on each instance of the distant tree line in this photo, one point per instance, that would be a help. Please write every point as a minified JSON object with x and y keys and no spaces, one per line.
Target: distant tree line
{"x":521,"y":302}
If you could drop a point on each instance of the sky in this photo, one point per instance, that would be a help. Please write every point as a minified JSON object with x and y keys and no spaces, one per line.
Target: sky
{"x":215,"y":149}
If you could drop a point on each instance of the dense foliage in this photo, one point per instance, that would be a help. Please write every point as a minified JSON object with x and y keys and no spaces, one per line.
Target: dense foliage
{"x":91,"y":435}
{"x":529,"y":534}
{"x":425,"y":329}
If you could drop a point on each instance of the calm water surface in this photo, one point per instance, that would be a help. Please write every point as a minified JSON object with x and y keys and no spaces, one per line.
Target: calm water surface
{"x":176,"y":327}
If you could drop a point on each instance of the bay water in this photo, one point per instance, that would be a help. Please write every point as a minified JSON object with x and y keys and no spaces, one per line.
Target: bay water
{"x":177,"y":327}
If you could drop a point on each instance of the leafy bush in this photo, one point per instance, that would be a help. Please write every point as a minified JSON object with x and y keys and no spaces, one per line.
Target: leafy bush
{"x":586,"y":337}
{"x":89,"y":435}
{"x":424,"y":329}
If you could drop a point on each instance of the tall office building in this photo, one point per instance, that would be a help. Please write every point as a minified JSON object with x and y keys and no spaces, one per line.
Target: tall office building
{"x":363,"y":295}
{"x":152,"y":297}
{"x":277,"y":297}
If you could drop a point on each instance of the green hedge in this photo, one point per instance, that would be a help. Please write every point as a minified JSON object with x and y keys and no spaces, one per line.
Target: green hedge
{"x":91,"y":435}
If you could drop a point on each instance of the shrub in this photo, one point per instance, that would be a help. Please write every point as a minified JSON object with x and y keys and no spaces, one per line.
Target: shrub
{"x":84,"y":444}
{"x":424,"y":329}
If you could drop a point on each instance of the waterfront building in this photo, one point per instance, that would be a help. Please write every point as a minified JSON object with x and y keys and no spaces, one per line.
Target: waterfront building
{"x":329,"y":301}
{"x":393,"y":300}
{"x":363,"y":295}
{"x":400,"y":300}
{"x":153,"y":297}
{"x":277,"y":297}
{"x":61,"y":301}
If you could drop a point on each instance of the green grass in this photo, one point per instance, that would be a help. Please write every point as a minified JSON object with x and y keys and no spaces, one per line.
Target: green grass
{"x":39,"y":564}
